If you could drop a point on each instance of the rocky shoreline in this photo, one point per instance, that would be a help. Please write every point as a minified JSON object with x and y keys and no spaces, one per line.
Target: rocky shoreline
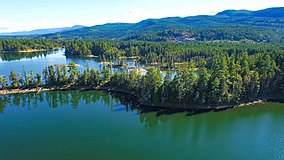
{"x":23,"y":91}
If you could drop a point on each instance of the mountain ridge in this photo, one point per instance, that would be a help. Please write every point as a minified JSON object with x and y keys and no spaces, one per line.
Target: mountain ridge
{"x":275,"y":12}
{"x":261,"y":26}
{"x":266,"y":25}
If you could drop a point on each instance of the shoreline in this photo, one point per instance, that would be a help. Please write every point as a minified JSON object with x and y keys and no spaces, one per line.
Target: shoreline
{"x":168,"y":107}
{"x":90,"y":56}
{"x":33,"y":50}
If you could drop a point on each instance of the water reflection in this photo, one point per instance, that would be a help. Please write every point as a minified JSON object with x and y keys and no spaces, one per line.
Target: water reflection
{"x":37,"y":61}
{"x":55,"y":99}
{"x":150,"y":118}
{"x":252,"y":131}
{"x":12,"y":56}
{"x":246,"y":133}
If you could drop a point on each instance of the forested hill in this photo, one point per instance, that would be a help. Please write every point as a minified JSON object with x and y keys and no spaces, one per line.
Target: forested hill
{"x":259,"y":26}
{"x":270,"y":12}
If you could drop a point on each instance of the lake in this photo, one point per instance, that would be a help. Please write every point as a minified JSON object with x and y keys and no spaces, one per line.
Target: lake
{"x":97,"y":125}
{"x":37,"y":61}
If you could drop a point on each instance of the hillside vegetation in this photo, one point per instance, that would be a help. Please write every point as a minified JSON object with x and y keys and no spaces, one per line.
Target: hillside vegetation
{"x":234,"y":25}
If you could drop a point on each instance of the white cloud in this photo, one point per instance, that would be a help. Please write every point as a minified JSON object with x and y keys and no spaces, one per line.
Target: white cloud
{"x":17,"y":26}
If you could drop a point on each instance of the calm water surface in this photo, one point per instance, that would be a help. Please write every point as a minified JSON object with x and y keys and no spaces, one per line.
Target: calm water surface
{"x":37,"y":61}
{"x":96,"y":125}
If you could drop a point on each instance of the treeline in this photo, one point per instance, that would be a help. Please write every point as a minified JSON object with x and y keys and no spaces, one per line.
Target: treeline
{"x":28,"y":44}
{"x":149,"y":52}
{"x":164,"y":52}
{"x":174,"y":34}
{"x":229,"y":79}
{"x":55,"y":75}
{"x":232,"y":33}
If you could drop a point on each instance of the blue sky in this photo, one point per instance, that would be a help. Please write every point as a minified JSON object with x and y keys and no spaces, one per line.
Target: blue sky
{"x":19,"y":15}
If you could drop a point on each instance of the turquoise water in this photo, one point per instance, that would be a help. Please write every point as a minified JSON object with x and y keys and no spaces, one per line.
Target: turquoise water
{"x":97,"y":125}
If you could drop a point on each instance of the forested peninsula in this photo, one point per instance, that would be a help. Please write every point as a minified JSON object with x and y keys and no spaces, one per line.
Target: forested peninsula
{"x":28,"y":45}
{"x":207,"y":74}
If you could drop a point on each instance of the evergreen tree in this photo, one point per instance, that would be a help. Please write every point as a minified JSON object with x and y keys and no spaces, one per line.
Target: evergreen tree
{"x":73,"y":73}
{"x":214,"y":91}
{"x":243,"y":62}
{"x":252,"y":85}
{"x":267,"y":67}
{"x":3,"y":82}
{"x":38,"y":80}
{"x":153,"y":83}
{"x":21,"y":80}
{"x":46,"y":75}
{"x":190,"y":82}
{"x":64,"y":74}
{"x":95,"y":78}
{"x":59,"y":78}
{"x":235,"y":80}
{"x":106,"y":73}
{"x":13,"y":79}
{"x":51,"y":75}
{"x":166,"y":87}
{"x":202,"y":85}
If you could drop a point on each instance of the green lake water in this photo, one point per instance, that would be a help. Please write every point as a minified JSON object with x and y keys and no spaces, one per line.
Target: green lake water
{"x":97,"y":125}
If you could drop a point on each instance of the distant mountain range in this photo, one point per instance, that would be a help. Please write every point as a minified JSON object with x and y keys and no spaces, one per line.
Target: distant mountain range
{"x":265,"y":25}
{"x":42,"y":31}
